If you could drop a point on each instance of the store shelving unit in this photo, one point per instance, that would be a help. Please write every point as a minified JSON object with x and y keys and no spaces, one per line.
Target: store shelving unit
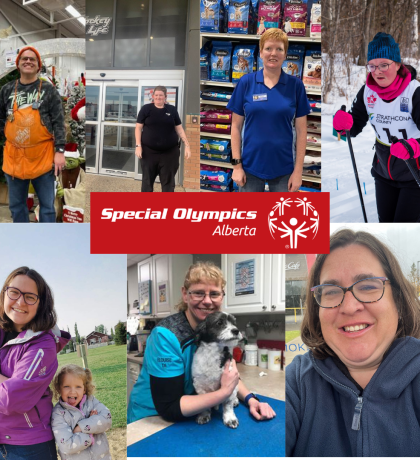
{"x":204,"y":37}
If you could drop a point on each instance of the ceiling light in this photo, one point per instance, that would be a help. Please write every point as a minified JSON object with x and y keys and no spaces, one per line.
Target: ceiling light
{"x":70,"y":9}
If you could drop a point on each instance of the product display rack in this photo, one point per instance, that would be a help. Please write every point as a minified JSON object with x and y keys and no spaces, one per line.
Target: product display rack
{"x":206,"y":36}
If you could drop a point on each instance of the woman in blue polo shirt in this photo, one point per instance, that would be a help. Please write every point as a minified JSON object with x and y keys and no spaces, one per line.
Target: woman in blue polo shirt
{"x":165,"y":385}
{"x":268,"y":101}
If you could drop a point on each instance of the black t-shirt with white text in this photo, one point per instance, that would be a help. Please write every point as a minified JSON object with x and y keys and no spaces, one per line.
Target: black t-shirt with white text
{"x":159,"y":126}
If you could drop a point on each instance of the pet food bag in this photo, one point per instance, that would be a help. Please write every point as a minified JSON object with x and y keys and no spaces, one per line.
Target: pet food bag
{"x":313,"y":139}
{"x":315,"y":26}
{"x":260,"y":64}
{"x":212,"y":15}
{"x":243,"y":61}
{"x":217,"y":128}
{"x":313,"y":126}
{"x":215,"y":157}
{"x":293,"y":64}
{"x":216,"y":94}
{"x":215,"y":175}
{"x":221,"y":54}
{"x":268,"y":15}
{"x":312,"y":70}
{"x":212,"y":115}
{"x":314,"y":104}
{"x":242,"y":16}
{"x":216,"y":146}
{"x":204,"y":64}
{"x":214,"y":187}
{"x":295,"y":16}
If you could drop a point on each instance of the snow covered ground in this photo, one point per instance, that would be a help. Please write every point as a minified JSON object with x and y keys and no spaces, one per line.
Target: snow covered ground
{"x":337,"y":171}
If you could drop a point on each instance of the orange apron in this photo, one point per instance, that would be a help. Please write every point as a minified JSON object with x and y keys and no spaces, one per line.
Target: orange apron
{"x":29,"y":149}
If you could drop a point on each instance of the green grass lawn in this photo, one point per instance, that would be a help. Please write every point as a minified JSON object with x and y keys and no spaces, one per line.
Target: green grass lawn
{"x":109,"y":369}
{"x":290,"y":335}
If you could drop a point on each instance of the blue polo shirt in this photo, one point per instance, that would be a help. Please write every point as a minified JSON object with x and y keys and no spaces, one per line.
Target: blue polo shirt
{"x":267,"y":138}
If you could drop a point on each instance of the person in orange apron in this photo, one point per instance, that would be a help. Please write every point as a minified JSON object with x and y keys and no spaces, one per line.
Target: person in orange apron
{"x":34,"y":130}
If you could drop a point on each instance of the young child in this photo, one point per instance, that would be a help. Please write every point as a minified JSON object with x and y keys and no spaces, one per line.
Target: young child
{"x":79,"y":420}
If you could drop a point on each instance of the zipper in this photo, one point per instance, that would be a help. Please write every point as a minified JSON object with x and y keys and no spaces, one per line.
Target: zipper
{"x":27,"y":420}
{"x":357,"y":414}
{"x":358,"y":409}
{"x":389,"y":170}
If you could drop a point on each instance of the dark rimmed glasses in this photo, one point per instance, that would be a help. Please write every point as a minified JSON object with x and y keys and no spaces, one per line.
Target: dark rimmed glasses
{"x":15,"y":293}
{"x":367,"y":290}
{"x":215,"y":296}
{"x":382,"y":67}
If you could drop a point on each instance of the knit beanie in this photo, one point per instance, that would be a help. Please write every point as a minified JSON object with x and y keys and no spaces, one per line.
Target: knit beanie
{"x":29,"y":48}
{"x":384,"y":46}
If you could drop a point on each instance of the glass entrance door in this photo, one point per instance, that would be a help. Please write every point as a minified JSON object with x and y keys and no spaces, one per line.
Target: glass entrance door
{"x":111,"y":115}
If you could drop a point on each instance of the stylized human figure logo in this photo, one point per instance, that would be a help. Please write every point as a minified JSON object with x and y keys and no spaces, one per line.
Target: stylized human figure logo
{"x":292,"y":222}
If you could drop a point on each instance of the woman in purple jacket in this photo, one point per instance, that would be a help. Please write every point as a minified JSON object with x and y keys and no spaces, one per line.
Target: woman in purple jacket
{"x":29,"y":343}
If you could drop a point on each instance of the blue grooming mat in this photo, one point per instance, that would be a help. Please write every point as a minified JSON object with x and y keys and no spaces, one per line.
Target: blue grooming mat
{"x":188,"y":439}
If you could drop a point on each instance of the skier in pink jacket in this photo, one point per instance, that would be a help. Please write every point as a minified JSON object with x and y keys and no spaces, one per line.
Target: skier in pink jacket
{"x":29,"y":343}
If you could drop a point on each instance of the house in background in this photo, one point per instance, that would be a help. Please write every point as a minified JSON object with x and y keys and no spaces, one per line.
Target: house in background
{"x":96,"y":337}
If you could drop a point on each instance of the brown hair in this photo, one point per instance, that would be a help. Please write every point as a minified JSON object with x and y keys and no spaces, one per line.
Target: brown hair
{"x":276,"y":35}
{"x":46,"y":317}
{"x":161,"y":88}
{"x":403,"y":292}
{"x":84,"y":374}
{"x":199,"y":272}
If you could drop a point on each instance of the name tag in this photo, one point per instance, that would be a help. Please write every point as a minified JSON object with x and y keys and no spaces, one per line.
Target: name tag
{"x":259,"y":97}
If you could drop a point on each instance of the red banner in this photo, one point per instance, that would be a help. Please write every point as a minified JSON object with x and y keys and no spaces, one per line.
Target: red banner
{"x":213,"y":223}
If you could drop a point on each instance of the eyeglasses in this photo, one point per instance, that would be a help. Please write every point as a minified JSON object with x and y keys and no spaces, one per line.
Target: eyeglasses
{"x":382,"y":67}
{"x":215,"y":296}
{"x":14,"y":294}
{"x":368,"y":290}
{"x":30,"y":59}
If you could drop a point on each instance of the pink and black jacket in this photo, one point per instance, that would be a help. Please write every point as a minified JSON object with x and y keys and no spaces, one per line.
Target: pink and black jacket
{"x":29,"y":362}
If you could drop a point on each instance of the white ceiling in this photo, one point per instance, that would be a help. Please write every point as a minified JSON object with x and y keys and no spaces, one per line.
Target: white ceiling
{"x":133,"y":259}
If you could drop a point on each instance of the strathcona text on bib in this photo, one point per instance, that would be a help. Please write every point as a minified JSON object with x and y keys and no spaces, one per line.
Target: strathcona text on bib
{"x":392,"y":118}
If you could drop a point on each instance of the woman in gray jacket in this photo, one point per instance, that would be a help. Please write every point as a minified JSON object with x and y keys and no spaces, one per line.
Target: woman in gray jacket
{"x":79,"y":420}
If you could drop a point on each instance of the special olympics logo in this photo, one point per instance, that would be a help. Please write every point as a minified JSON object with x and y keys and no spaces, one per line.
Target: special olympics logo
{"x":287,"y":220}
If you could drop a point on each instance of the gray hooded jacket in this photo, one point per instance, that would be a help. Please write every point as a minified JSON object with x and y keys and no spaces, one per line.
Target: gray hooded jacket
{"x":91,"y":443}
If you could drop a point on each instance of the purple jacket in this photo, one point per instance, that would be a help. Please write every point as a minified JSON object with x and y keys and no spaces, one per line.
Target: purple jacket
{"x":30,"y":362}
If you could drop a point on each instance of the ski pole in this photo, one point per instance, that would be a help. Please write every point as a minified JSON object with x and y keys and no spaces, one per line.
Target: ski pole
{"x":343,"y":107}
{"x":410,"y":152}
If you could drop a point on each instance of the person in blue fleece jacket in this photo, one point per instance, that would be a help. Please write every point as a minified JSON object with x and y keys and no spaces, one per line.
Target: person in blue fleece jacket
{"x":357,"y":392}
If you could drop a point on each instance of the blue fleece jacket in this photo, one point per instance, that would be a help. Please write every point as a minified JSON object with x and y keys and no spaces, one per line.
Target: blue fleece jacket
{"x":326,"y":416}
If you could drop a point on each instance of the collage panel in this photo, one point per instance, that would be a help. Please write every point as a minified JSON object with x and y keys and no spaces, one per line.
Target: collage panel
{"x":42,"y":111}
{"x":62,"y":346}
{"x":197,"y":321}
{"x":370,"y":111}
{"x":352,"y":358}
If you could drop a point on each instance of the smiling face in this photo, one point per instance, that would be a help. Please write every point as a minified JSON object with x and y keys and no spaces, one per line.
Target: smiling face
{"x":159,"y":98}
{"x":273,"y":55}
{"x":363,"y":348}
{"x":28,"y":64}
{"x":198,"y":310}
{"x":18,"y":310}
{"x":384,"y":79}
{"x":72,"y":389}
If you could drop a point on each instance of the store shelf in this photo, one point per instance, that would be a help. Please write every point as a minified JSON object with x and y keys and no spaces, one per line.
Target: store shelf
{"x":204,"y":101}
{"x":218,"y":83}
{"x":257,"y":37}
{"x":216,"y":163}
{"x":311,"y":179}
{"x":315,"y":114}
{"x":315,"y":148}
{"x":215,"y":135}
{"x":314,"y":93}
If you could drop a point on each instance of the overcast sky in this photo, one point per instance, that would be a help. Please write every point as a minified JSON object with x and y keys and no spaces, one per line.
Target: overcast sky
{"x":88,"y":289}
{"x":403,"y":239}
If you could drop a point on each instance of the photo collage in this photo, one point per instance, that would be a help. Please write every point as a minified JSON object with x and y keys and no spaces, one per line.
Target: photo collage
{"x":248,"y":321}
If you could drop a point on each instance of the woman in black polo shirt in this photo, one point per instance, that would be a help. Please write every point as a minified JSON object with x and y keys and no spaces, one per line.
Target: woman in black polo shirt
{"x":157,"y":131}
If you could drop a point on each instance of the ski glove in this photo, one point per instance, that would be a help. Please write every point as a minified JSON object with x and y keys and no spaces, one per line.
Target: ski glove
{"x":398,"y":150}
{"x":342,"y":121}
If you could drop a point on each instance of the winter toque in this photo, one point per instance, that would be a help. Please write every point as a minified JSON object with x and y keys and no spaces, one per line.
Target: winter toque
{"x":29,"y":48}
{"x":384,"y":46}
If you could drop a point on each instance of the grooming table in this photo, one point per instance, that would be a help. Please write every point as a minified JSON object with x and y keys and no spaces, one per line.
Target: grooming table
{"x":188,"y":439}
